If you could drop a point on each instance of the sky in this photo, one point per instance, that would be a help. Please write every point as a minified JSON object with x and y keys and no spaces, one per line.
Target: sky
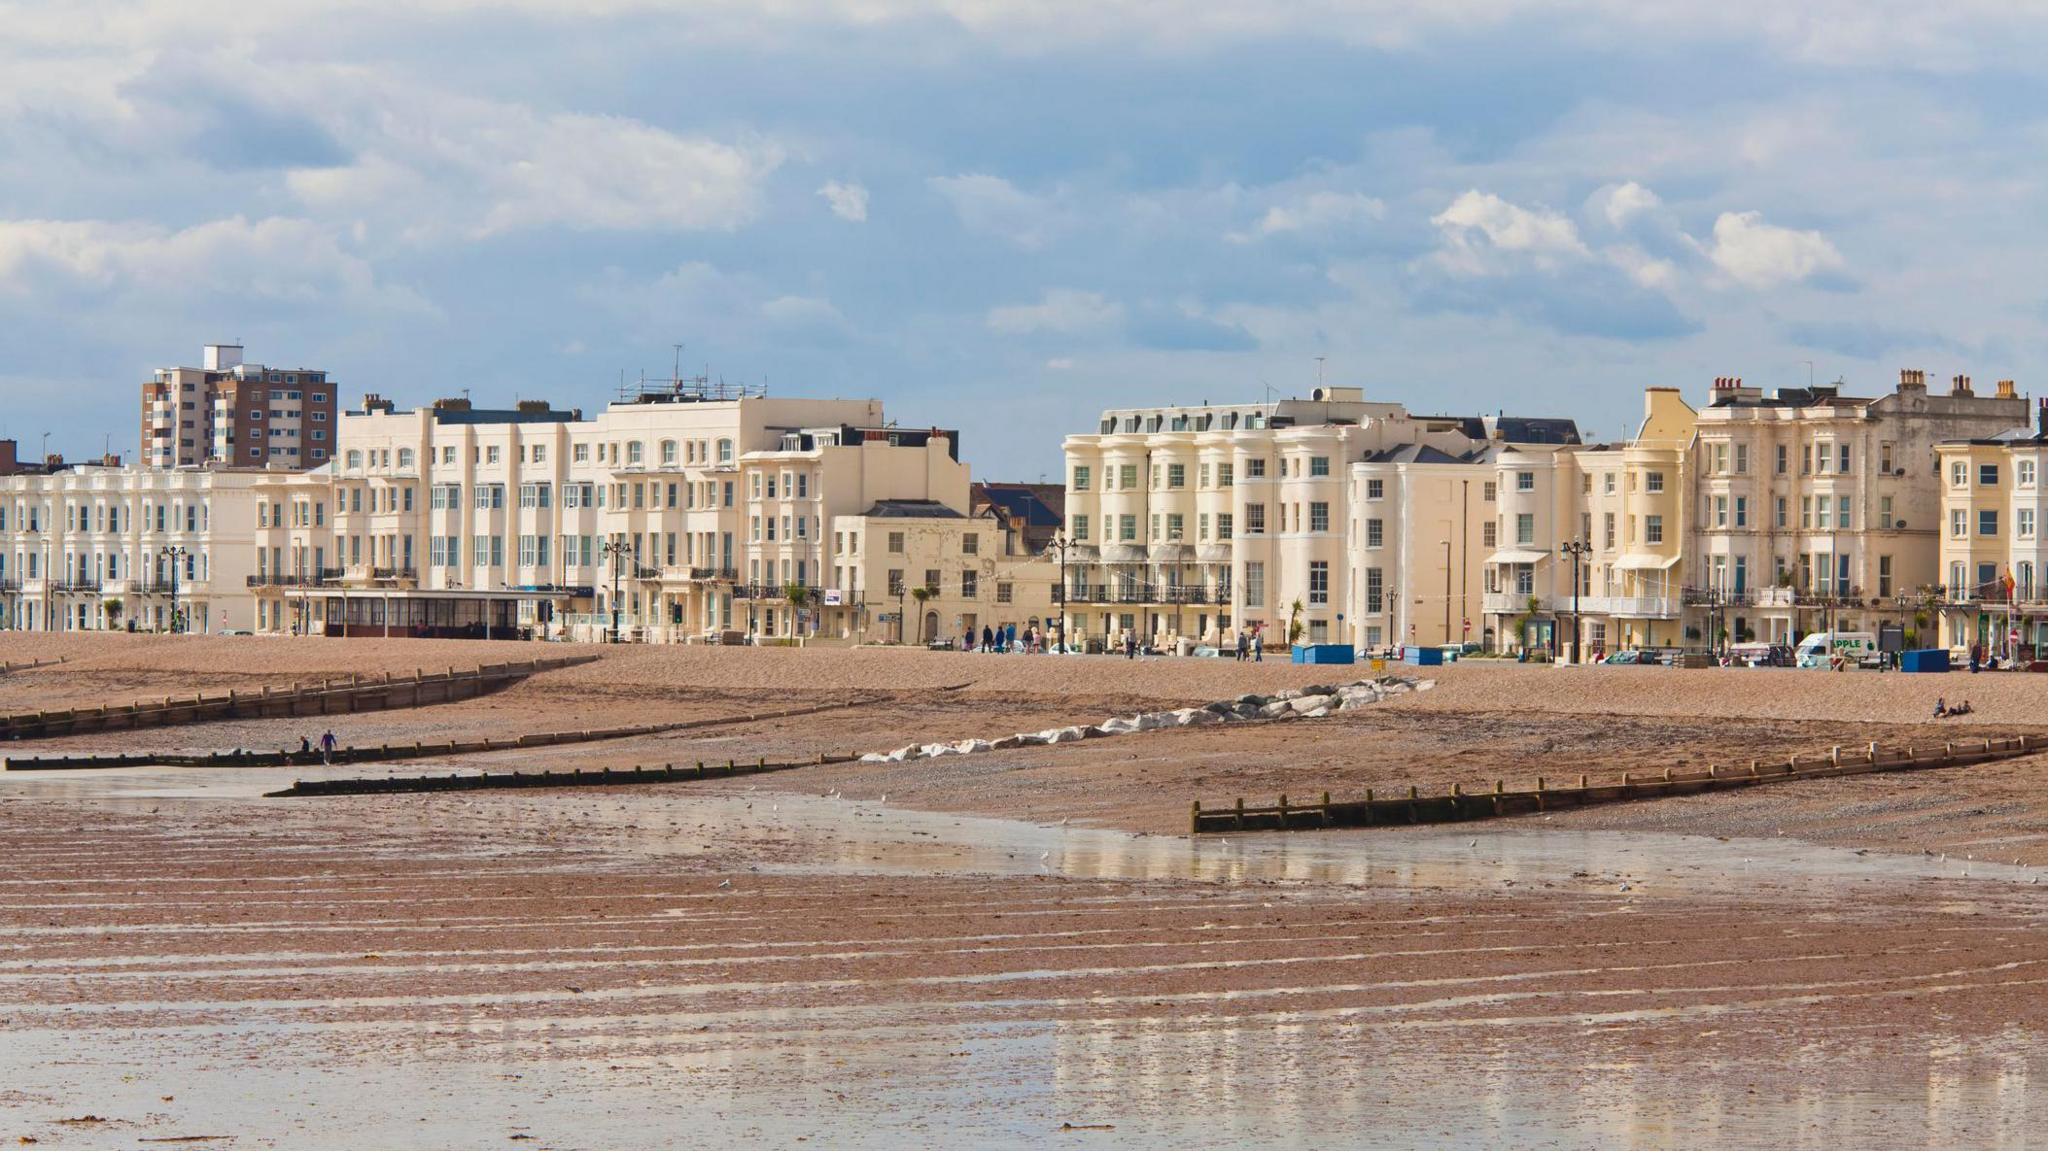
{"x":1005,"y":216}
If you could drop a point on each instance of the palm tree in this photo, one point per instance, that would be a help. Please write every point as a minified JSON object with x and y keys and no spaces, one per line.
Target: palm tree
{"x":921,"y":594}
{"x":1294,"y":611}
{"x":798,"y":595}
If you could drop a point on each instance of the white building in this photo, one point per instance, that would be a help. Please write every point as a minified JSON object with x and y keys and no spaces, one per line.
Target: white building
{"x":1193,"y":522}
{"x":97,"y":548}
{"x":683,"y":513}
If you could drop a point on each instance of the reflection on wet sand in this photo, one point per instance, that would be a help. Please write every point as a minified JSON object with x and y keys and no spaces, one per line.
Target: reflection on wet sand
{"x":664,"y":967}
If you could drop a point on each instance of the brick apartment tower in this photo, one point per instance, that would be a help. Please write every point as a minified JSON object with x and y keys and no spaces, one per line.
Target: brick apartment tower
{"x":238,"y":414}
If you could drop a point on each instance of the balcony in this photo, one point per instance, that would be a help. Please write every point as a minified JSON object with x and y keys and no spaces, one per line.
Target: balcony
{"x":1512,"y":603}
{"x":326,"y":577}
{"x":1707,"y":597}
{"x":724,"y":575}
{"x":773,"y":591}
{"x":81,"y":584}
{"x":1141,"y":594}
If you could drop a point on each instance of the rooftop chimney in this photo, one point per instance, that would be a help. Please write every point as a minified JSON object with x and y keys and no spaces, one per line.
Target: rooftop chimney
{"x":2041,"y":420}
{"x":533,"y":407}
{"x":452,"y":404}
{"x":2006,"y":390}
{"x":372,"y":402}
{"x":1960,"y":386}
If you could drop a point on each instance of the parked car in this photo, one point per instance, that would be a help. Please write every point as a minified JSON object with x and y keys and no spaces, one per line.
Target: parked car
{"x":1628,"y":657}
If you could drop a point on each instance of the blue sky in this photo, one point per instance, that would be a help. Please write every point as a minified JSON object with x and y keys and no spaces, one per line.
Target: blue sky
{"x":1004,"y":216}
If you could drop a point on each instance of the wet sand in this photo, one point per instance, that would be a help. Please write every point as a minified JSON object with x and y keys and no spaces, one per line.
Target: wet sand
{"x":763,"y":963}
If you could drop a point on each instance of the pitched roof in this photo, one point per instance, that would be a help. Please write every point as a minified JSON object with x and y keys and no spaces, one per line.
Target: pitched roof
{"x":913,"y":509}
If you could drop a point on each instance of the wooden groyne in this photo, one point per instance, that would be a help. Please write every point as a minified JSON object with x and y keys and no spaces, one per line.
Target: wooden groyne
{"x":488,"y":781}
{"x":30,"y":665}
{"x":1459,"y":805}
{"x":392,"y":752}
{"x":328,"y":697}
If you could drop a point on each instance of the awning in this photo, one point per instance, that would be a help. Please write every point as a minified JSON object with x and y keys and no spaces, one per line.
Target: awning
{"x":1641,"y":561}
{"x":1517,"y":557}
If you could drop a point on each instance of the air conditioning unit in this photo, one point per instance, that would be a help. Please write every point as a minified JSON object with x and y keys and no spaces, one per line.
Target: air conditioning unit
{"x":1899,"y":471}
{"x":1901,"y":525}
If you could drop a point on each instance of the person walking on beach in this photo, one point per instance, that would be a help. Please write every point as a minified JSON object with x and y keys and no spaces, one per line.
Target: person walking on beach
{"x":1258,"y":645}
{"x":1130,"y":645}
{"x":1244,"y":645}
{"x":988,"y":638}
{"x":327,"y":746}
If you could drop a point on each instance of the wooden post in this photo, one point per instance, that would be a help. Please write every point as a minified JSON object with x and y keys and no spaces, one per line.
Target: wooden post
{"x":1835,"y":756}
{"x":1624,"y":785}
{"x":1873,"y":752}
{"x":1326,"y":809}
{"x":1240,"y":813}
{"x":1753,"y":769}
{"x":1195,"y":817}
{"x":1582,"y":781}
{"x":1283,"y":813}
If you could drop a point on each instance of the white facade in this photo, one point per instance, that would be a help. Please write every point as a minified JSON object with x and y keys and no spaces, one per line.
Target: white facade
{"x":668,"y":517}
{"x":1198,"y":522}
{"x":99,"y":548}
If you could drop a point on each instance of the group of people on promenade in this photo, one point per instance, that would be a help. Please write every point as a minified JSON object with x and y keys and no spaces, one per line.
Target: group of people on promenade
{"x":998,"y":640}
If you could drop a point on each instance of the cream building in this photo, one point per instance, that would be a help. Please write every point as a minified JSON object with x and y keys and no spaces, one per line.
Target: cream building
{"x":1993,"y":565}
{"x":1194,"y":522}
{"x":970,"y":572}
{"x":1816,"y":509}
{"x":1623,"y":506}
{"x":1420,"y":527}
{"x":98,"y":548}
{"x":676,"y":514}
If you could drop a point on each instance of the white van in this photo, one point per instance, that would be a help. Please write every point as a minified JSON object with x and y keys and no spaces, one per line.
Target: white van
{"x":1853,"y":646}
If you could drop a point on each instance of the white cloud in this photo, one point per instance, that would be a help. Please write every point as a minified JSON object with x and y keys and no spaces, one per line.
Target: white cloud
{"x":993,"y":205}
{"x":1063,"y":311}
{"x":275,"y":259}
{"x":1060,"y":364}
{"x":1620,"y":204}
{"x":1759,"y":255}
{"x":1478,"y":226}
{"x":803,"y":312}
{"x":434,"y":163}
{"x":1646,"y":270}
{"x":1317,"y":213}
{"x":848,"y":201}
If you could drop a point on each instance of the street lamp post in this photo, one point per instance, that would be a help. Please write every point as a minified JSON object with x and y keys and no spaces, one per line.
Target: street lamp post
{"x":1576,"y":549}
{"x":173,"y":555}
{"x":1061,"y":543}
{"x":614,"y":550}
{"x":1447,"y":590}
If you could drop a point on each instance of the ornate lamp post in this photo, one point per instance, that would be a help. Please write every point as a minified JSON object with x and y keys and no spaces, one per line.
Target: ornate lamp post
{"x":614,"y":550}
{"x":1061,"y":543}
{"x":173,"y":556}
{"x":1576,"y":549}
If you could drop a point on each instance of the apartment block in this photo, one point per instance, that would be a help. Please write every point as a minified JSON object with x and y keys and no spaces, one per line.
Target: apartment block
{"x":1816,"y":509}
{"x":676,"y":514}
{"x":1193,"y":522}
{"x":234,"y":413}
{"x":1611,"y":516}
{"x":103,"y":548}
{"x":1993,"y":567}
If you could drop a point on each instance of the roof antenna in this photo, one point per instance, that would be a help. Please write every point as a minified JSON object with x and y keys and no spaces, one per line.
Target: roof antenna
{"x":1319,"y":370}
{"x":676,"y":376}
